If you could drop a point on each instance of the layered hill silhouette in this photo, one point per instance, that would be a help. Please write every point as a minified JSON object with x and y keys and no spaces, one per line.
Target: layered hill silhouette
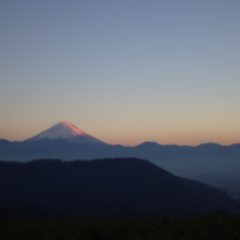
{"x":212,"y":163}
{"x":104,"y":187}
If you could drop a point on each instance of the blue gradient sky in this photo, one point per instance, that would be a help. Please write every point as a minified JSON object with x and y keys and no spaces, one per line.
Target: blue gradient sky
{"x":125,"y":71}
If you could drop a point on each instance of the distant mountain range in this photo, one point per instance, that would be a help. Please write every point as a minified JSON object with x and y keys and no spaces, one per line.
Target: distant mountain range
{"x":211,"y":163}
{"x":103,"y":188}
{"x":66,"y":141}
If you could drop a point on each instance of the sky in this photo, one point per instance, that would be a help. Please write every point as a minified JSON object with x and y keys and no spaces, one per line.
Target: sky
{"x":124,"y":71}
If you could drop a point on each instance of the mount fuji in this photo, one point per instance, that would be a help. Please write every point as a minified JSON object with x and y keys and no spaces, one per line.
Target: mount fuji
{"x":64,"y":131}
{"x":63,"y":140}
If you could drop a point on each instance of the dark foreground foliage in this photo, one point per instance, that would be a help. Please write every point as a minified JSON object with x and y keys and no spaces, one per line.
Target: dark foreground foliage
{"x":161,"y":228}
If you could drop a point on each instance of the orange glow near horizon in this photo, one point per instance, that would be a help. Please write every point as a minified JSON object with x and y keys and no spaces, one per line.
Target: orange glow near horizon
{"x":124,"y":73}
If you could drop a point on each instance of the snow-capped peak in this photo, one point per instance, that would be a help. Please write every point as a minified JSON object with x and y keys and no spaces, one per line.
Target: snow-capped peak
{"x":66,"y":131}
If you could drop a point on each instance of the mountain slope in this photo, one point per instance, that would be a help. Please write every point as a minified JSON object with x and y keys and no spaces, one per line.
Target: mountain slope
{"x":105,"y":187}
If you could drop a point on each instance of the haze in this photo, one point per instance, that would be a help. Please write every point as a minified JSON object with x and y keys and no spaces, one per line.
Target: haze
{"x":124,"y":71}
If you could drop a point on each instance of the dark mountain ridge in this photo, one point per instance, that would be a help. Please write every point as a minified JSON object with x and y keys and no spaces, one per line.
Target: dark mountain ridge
{"x":104,"y":188}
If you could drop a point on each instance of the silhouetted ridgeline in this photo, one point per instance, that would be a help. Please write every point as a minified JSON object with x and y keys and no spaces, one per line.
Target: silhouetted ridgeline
{"x":206,"y":160}
{"x":107,"y":187}
{"x":210,"y":163}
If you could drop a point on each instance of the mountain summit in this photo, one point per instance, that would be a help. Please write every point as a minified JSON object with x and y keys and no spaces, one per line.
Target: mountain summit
{"x":65,"y":131}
